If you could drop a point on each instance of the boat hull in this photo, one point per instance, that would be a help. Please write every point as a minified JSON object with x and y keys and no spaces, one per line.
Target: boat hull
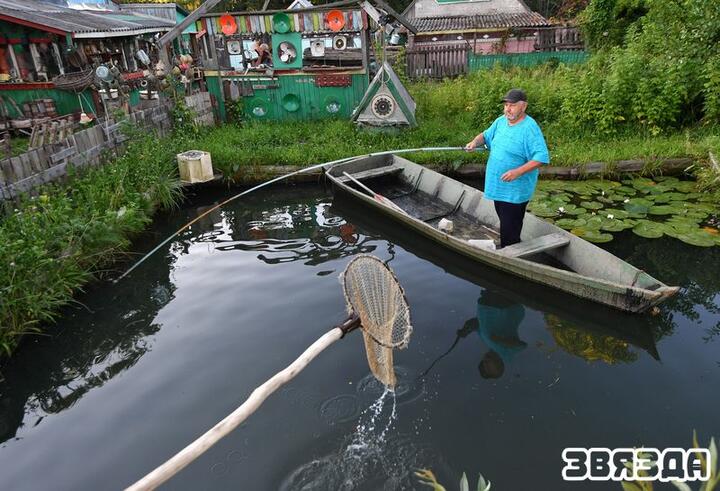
{"x":617,"y":284}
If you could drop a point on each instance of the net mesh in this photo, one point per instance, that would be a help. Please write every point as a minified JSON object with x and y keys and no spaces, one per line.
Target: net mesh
{"x":373,"y":294}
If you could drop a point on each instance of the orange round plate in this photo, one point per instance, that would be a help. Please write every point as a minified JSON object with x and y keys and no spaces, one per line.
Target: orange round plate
{"x":335,"y":20}
{"x":228,"y":25}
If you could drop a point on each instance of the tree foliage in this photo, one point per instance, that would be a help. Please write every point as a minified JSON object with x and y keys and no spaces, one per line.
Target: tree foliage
{"x":656,"y":65}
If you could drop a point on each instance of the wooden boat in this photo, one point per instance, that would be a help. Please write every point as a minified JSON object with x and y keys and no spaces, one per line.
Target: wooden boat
{"x":420,"y":199}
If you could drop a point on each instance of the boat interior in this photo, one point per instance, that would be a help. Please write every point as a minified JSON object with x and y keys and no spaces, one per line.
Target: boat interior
{"x":413,"y":197}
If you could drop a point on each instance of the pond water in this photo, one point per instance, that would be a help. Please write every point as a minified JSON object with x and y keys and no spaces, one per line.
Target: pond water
{"x":137,"y":370}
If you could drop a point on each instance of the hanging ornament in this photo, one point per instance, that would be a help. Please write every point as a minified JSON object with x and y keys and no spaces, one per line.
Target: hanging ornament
{"x":228,"y":25}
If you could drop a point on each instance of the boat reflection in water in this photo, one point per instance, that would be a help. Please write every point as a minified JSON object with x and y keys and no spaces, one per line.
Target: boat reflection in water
{"x":580,"y":327}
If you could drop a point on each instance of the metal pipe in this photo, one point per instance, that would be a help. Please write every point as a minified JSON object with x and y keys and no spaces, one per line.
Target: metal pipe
{"x":271,"y":181}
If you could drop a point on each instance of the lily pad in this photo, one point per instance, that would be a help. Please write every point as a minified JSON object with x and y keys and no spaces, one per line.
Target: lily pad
{"x":648,"y":229}
{"x":570,"y":223}
{"x":685,"y":186}
{"x":612,"y":225}
{"x":592,"y":235}
{"x":594,"y":223}
{"x":574,"y":210}
{"x":616,"y":213}
{"x":675,"y":229}
{"x":603,"y":185}
{"x":591,"y":205}
{"x":662,"y":210}
{"x":626,"y":190}
{"x":699,"y":238}
{"x":543,"y":211}
{"x":663,"y":198}
{"x":638,"y":205}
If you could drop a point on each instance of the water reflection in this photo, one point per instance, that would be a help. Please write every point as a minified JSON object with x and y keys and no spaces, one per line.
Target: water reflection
{"x":117,"y":326}
{"x":302,"y":231}
{"x":498,"y":320}
{"x":95,"y":342}
{"x":694,"y":269}
{"x":584,"y":329}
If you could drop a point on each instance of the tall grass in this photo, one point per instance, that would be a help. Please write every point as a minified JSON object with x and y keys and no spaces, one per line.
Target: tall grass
{"x":55,"y":243}
{"x":450,"y":113}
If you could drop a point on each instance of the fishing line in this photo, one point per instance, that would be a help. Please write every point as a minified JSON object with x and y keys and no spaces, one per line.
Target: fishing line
{"x":267,"y":183}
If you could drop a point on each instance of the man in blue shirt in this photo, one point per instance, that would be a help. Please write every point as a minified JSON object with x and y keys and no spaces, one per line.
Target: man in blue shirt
{"x":517,"y":150}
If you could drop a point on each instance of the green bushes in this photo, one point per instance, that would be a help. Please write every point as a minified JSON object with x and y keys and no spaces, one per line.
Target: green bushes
{"x":657,"y":70}
{"x":54,"y":243}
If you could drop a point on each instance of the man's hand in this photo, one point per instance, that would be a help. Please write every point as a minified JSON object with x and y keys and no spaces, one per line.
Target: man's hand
{"x":511,"y":175}
{"x":471,"y":146}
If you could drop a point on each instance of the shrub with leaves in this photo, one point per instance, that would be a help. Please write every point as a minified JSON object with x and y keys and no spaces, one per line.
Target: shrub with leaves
{"x":54,"y":243}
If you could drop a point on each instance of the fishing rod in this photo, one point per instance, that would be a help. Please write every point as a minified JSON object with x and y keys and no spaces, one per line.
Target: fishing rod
{"x":271,"y":181}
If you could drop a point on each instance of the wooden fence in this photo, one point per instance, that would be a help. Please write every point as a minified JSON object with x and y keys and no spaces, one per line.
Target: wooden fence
{"x":559,"y":38}
{"x":437,"y":61}
{"x":49,"y":163}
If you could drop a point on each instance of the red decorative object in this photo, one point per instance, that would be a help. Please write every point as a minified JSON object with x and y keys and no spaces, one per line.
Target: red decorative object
{"x":27,"y":86}
{"x":335,"y":20}
{"x":228,"y":25}
{"x":332,"y":80}
{"x":133,"y":75}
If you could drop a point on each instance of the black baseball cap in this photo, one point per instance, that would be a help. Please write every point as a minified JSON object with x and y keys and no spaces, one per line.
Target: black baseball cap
{"x":515,"y":95}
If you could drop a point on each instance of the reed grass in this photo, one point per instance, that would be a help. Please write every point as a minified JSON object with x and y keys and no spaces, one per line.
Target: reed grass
{"x":235,"y":147}
{"x":55,"y":243}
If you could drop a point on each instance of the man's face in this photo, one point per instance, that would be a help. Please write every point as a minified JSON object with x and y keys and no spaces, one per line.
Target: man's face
{"x":514,"y":110}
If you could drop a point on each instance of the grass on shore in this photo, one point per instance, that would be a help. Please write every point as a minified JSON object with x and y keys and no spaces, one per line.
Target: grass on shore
{"x":55,"y":243}
{"x":234,"y":147}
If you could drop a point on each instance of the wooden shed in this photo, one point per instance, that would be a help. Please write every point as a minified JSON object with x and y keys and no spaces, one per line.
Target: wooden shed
{"x":317,"y":67}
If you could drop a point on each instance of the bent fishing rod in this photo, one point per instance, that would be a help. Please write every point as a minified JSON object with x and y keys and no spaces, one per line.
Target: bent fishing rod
{"x":280,"y":178}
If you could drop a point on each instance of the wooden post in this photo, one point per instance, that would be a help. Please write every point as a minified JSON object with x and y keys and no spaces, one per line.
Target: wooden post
{"x":13,"y":58}
{"x":213,"y":50}
{"x":58,"y":58}
{"x":37,"y":63}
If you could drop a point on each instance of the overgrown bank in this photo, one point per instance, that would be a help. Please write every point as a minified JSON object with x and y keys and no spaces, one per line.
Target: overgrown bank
{"x":55,"y":243}
{"x":451,"y":112}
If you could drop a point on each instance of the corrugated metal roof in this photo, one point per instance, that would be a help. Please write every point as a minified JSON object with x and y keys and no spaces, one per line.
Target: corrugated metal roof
{"x":81,"y":23}
{"x":471,"y":22}
{"x":159,"y":10}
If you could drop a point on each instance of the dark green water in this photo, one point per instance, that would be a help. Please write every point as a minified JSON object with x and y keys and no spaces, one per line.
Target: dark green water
{"x":135,"y":371}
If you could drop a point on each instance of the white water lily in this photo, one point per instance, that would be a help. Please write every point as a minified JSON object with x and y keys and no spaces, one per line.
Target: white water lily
{"x":611,"y":216}
{"x":561,"y":209}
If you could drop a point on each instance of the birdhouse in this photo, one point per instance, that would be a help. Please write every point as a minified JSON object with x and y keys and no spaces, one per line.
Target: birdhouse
{"x":386,"y":102}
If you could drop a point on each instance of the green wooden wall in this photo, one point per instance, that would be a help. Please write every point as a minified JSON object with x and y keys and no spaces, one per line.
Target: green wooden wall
{"x":65,"y":102}
{"x":292,"y":97}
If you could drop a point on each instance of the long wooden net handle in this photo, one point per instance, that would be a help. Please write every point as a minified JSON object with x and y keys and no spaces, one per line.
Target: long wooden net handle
{"x":258,"y":396}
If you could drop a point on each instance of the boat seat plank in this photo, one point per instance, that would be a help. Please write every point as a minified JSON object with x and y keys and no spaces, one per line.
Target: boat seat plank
{"x":386,"y":170}
{"x":536,"y":245}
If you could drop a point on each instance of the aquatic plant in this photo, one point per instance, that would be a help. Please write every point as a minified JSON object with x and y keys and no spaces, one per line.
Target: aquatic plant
{"x":651,"y":208}
{"x":588,"y":346}
{"x":708,"y":485}
{"x":427,"y":478}
{"x":55,"y":243}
